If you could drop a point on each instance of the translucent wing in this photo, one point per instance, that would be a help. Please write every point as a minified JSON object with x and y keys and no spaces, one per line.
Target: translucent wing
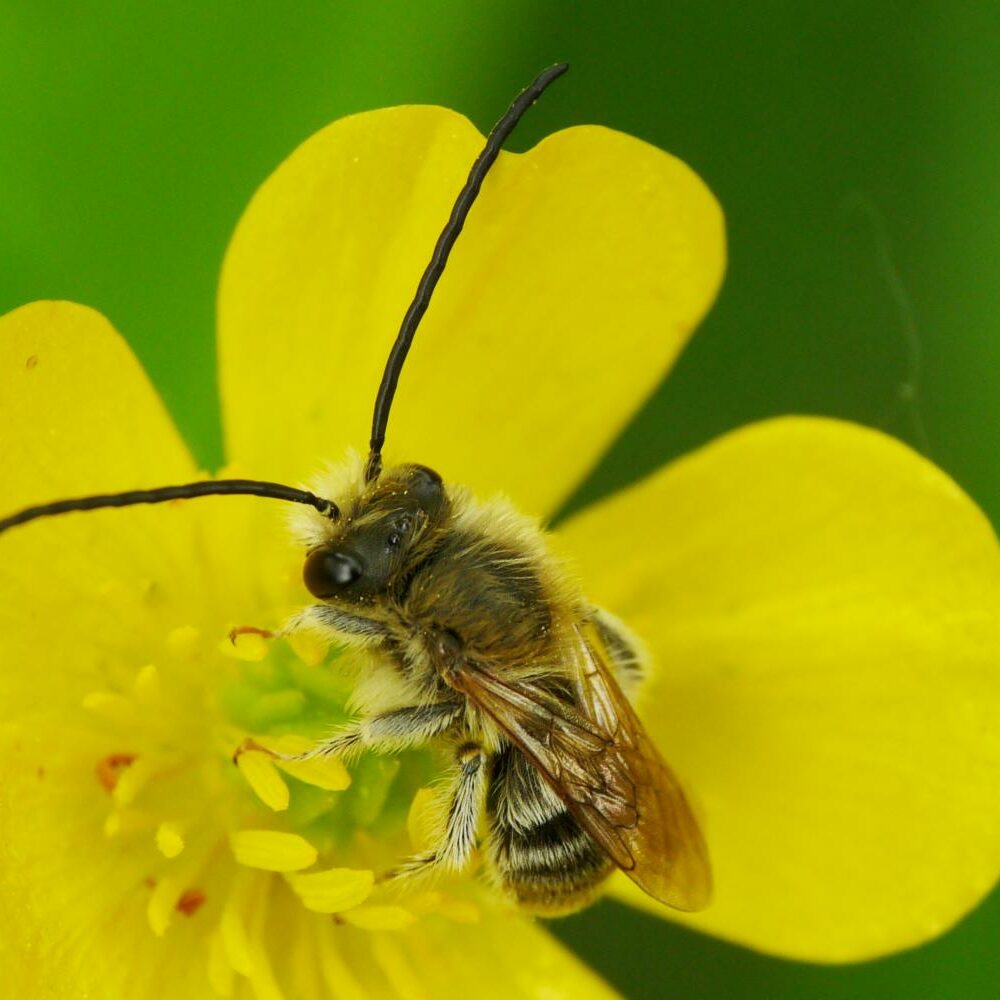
{"x":602,"y":764}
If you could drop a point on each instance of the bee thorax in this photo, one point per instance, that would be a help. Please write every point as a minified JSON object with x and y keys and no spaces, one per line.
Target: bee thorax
{"x":478,"y":599}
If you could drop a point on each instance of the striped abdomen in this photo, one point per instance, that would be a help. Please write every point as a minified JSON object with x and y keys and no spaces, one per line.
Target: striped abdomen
{"x":538,"y":853}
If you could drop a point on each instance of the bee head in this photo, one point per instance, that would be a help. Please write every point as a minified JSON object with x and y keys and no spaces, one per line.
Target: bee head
{"x":390,"y":523}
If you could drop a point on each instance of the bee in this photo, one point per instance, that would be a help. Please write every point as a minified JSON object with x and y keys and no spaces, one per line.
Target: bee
{"x":478,"y":639}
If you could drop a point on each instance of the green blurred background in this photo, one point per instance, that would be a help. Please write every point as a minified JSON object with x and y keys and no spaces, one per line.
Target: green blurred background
{"x":853,"y":146}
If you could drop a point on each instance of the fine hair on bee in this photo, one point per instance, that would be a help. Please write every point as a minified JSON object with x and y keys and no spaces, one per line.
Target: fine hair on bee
{"x":480,"y":641}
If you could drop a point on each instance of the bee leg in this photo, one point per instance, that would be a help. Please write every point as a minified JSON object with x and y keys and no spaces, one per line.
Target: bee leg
{"x":355,"y":630}
{"x":456,"y":846}
{"x":390,"y":732}
{"x":625,"y":651}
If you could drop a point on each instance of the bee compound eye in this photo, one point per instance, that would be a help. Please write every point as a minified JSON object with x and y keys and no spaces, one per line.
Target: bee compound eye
{"x":327,"y":573}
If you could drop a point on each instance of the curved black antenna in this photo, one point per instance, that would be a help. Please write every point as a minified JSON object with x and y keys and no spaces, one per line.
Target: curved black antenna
{"x":429,"y":279}
{"x":219,"y":487}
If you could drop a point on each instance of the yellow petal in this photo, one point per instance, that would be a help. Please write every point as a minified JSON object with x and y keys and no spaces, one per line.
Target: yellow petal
{"x":333,"y":890}
{"x":272,"y":850}
{"x":263,"y":777}
{"x":822,"y":606}
{"x":582,"y":269}
{"x":506,"y":957}
{"x":78,"y":416}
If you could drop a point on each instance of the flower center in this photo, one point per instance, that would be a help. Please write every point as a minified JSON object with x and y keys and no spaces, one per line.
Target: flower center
{"x":221,"y":837}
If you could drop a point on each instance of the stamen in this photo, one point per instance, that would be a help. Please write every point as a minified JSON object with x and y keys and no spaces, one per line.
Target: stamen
{"x":183,"y":640}
{"x":232,"y":929}
{"x":395,"y":966}
{"x":245,"y":643}
{"x":191,"y":902}
{"x":327,"y":773}
{"x":261,"y":976}
{"x":114,"y":708}
{"x":220,"y":972}
{"x":263,"y":777}
{"x":461,"y":911}
{"x":334,"y":890}
{"x":172,"y":894}
{"x":379,"y":918}
{"x":169,"y":839}
{"x":125,"y":822}
{"x":262,"y":981}
{"x":235,"y":633}
{"x":272,"y":850}
{"x":154,"y":801}
{"x":135,"y":779}
{"x":423,"y":820}
{"x":146,"y":686}
{"x":243,"y":917}
{"x":337,"y":976}
{"x":309,"y":648}
{"x":110,"y":768}
{"x":323,"y":772}
{"x":162,"y":901}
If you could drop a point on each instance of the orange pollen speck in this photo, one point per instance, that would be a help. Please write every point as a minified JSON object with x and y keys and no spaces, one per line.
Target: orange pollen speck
{"x":31,"y":361}
{"x":109,"y":769}
{"x":191,"y":902}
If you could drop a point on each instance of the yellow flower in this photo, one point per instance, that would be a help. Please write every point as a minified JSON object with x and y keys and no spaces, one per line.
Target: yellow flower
{"x":821,"y":603}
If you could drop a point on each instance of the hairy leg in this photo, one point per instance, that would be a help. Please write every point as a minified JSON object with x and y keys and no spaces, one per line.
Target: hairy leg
{"x":627,"y":656}
{"x":464,"y":810}
{"x":336,"y":624}
{"x":390,"y":732}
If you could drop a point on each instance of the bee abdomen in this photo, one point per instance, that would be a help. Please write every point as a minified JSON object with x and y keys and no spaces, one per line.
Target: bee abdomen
{"x":539,"y":854}
{"x":551,"y":869}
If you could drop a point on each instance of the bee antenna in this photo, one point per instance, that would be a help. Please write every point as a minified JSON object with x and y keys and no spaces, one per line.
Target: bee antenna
{"x":218,"y":487}
{"x":442,"y":249}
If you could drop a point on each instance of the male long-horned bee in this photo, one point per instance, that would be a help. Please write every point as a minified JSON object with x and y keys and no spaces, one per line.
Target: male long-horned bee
{"x":481,"y":640}
{"x":486,"y":642}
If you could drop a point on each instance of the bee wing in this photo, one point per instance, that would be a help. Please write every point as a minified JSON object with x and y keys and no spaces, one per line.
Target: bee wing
{"x":603,"y":765}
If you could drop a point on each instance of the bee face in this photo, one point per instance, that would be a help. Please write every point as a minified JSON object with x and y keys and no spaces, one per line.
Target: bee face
{"x":382,"y":530}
